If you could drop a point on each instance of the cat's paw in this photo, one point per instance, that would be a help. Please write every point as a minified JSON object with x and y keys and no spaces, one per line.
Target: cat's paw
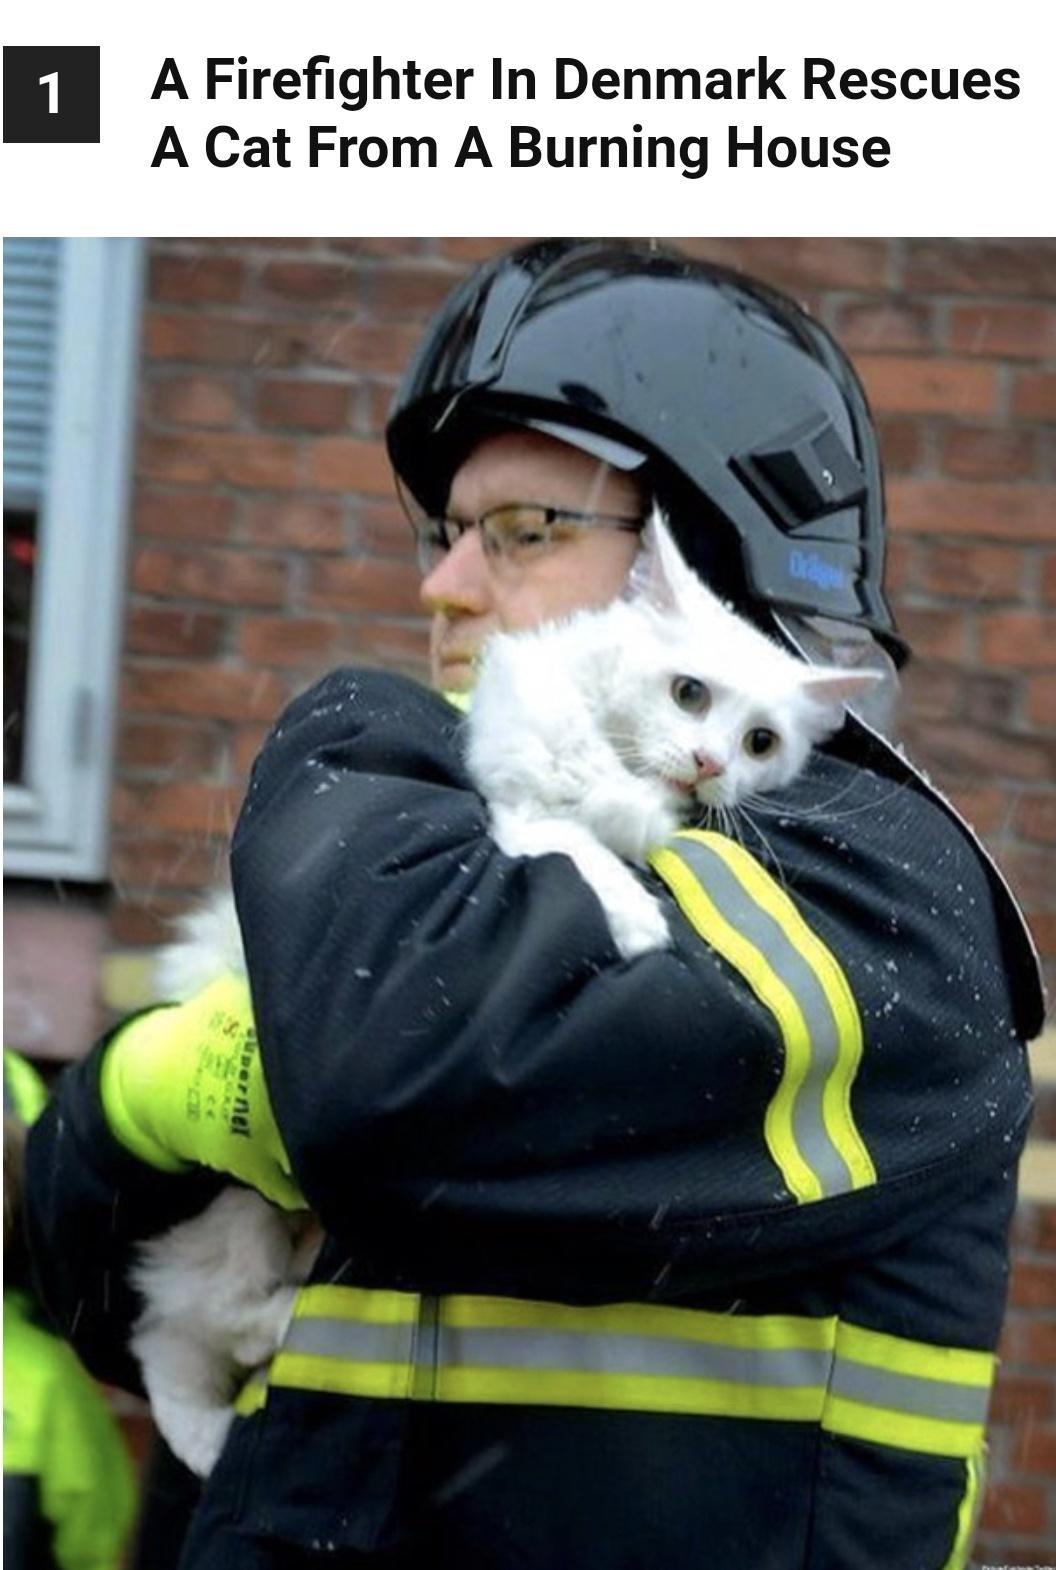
{"x":631,"y":816}
{"x":637,"y":924}
{"x":263,"y":1329}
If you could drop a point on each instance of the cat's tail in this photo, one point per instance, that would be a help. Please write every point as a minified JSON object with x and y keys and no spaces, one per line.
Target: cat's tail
{"x":208,"y":945}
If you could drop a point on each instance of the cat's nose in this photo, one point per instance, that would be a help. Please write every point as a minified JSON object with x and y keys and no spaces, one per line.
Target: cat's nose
{"x":708,"y":768}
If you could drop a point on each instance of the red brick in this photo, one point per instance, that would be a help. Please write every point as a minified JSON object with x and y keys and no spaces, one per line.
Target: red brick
{"x":381,"y":529}
{"x":308,"y":406}
{"x":192,"y":634}
{"x":139,"y":922}
{"x":1030,"y":1342}
{"x":930,"y":692}
{"x":1048,"y":581}
{"x":410,"y":293}
{"x":989,"y":699}
{"x":367,"y":348}
{"x":1014,"y":267}
{"x":1023,"y":639}
{"x":963,"y":749}
{"x":1036,"y":818}
{"x":163,"y":746}
{"x":192,"y":280}
{"x":380,"y":396}
{"x":901,"y":444}
{"x":341,"y":463}
{"x":226,"y":340}
{"x":1032,"y":874}
{"x":288,"y":640}
{"x":1034,"y":396}
{"x":1032,"y":1285}
{"x":364,"y":583}
{"x":211,"y":458}
{"x":981,"y":453}
{"x":1042,"y":925}
{"x":396,"y":646}
{"x":186,"y":806}
{"x":886,"y":325}
{"x":1017,"y":1398}
{"x":1006,"y":512}
{"x":381,"y":245}
{"x":329,"y":285}
{"x":912,"y":385}
{"x":939,"y":635}
{"x":248,"y":740}
{"x":194,"y":400}
{"x":476,"y":250}
{"x":984,"y":806}
{"x":899,"y":559}
{"x":210,"y":691}
{"x":797,"y":263}
{"x":168,"y":860}
{"x":1011,"y":331}
{"x":1046,"y":1229}
{"x":297,"y":525}
{"x":1041,"y":701}
{"x":184,"y":514}
{"x":971,"y":572}
{"x":225,"y":577}
{"x":1014,"y":1507}
{"x":1035,"y":1449}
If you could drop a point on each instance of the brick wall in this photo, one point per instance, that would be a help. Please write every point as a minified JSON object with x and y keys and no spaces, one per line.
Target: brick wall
{"x":266,"y":547}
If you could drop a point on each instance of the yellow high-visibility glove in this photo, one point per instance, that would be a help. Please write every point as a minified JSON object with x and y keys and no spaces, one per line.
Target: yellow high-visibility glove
{"x":184,"y":1085}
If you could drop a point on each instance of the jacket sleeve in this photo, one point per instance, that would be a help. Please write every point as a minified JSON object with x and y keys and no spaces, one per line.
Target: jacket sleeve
{"x":478,"y":1095}
{"x":88,"y":1203}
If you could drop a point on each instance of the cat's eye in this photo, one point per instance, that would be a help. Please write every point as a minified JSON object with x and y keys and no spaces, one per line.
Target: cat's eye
{"x":760,"y":742}
{"x":691,"y":694}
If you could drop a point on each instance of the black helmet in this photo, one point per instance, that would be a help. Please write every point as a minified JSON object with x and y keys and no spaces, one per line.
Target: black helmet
{"x":753,"y":424}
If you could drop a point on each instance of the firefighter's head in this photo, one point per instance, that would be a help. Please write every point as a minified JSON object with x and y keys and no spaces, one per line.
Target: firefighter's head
{"x":594,"y":377}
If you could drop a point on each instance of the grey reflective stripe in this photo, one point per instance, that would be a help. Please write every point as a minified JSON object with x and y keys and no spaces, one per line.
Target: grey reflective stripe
{"x":355,"y":1342}
{"x":741,"y":911}
{"x":666,"y":1356}
{"x":938,"y":1398}
{"x":568,"y":1351}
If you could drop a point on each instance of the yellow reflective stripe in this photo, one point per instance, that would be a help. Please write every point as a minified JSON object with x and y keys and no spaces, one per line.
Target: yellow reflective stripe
{"x":839,"y":1119}
{"x":253,"y":1394}
{"x":885,"y":1426}
{"x":968,"y":1512}
{"x":628,"y":1393}
{"x":743,"y":914}
{"x":305,"y":1371}
{"x":364,"y":1304}
{"x":774,"y":995}
{"x":762,"y":1332}
{"x":919,"y":1359}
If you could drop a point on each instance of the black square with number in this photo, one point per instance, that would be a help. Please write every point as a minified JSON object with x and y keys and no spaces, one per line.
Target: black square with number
{"x":51,"y":95}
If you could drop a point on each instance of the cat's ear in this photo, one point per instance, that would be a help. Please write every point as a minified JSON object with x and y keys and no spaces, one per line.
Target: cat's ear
{"x":836,"y":690}
{"x":659,"y":575}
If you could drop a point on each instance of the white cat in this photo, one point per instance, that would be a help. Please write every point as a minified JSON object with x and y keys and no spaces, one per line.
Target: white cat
{"x":595,"y":737}
{"x":599,"y":735}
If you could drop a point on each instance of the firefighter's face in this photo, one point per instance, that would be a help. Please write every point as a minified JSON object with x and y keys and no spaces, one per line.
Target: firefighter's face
{"x":471,"y":593}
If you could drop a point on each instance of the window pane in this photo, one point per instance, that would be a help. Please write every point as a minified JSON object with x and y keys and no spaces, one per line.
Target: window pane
{"x":20,"y":549}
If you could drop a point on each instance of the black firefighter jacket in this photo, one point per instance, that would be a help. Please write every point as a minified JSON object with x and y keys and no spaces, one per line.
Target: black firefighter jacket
{"x":694,"y":1261}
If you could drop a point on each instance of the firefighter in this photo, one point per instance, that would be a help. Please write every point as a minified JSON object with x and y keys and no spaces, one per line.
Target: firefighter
{"x":694,"y":1260}
{"x":69,"y":1493}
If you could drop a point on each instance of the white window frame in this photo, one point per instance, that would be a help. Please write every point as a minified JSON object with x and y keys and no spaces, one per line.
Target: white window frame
{"x":56,"y":821}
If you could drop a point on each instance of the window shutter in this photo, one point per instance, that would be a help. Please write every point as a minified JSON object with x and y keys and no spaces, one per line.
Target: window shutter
{"x":31,"y":296}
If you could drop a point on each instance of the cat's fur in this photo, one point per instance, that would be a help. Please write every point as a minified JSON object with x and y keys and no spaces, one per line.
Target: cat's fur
{"x":579,"y":747}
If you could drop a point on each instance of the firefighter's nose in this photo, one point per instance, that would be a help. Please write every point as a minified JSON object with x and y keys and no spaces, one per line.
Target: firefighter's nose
{"x":708,"y":768}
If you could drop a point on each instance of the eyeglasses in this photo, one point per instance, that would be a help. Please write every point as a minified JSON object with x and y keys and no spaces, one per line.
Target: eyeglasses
{"x":512,"y":535}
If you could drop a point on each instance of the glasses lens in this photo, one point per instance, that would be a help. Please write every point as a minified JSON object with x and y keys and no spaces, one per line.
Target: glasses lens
{"x":517,"y":534}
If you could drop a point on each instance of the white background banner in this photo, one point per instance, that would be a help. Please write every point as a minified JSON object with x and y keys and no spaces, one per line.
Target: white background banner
{"x":885,"y":149}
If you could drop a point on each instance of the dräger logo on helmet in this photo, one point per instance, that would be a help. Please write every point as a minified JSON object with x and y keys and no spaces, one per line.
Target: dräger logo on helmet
{"x":812,"y":568}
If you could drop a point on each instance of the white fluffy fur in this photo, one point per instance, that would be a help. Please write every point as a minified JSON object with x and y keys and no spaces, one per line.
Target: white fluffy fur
{"x":579,"y":747}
